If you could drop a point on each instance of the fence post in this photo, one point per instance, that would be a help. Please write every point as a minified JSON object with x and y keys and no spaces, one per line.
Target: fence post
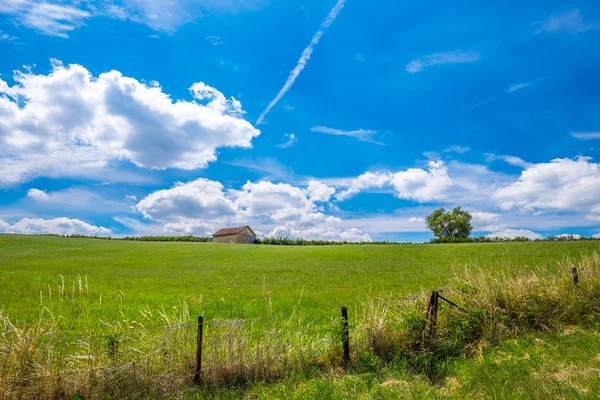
{"x":198,"y":371}
{"x":432,"y":310}
{"x":575,"y":275}
{"x":346,"y":337}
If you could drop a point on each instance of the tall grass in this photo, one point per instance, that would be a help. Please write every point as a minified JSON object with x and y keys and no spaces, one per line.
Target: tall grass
{"x":152,"y":353}
{"x":498,"y":306}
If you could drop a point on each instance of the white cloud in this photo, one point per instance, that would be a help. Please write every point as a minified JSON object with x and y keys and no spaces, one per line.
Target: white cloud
{"x":289,"y":141}
{"x":130,"y":197}
{"x":201,"y":199}
{"x":322,"y":233}
{"x":318,"y":191}
{"x":3,"y":225}
{"x":562,"y":184}
{"x":569,"y":236}
{"x":450,"y":57}
{"x":59,"y":18}
{"x":596,"y":236}
{"x":586,"y":135}
{"x":59,"y":226}
{"x":37,"y":194}
{"x":368,"y":180}
{"x":520,"y":86}
{"x":457,"y":149}
{"x":306,"y":54}
{"x":362,"y":134}
{"x":569,"y":21}
{"x":414,"y":183}
{"x":46,"y":17}
{"x":6,"y":37}
{"x":482,"y":221}
{"x":421,"y":185}
{"x":512,"y":160}
{"x":515,"y":233}
{"x":416,"y":219}
{"x":71,"y":115}
{"x":201,"y":206}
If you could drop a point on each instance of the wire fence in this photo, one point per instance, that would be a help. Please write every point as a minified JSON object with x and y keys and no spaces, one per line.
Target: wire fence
{"x":130,"y":360}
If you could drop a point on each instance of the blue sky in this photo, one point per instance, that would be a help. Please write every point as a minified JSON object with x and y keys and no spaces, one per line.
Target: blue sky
{"x":342,"y":120}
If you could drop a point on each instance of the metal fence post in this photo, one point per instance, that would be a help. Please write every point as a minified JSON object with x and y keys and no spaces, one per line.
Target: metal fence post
{"x":198,"y":371}
{"x":346,"y":337}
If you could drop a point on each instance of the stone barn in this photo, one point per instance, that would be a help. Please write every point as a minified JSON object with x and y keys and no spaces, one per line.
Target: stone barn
{"x":241,"y":234}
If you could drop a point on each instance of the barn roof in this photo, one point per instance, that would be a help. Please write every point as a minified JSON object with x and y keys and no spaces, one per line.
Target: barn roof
{"x":233,"y":231}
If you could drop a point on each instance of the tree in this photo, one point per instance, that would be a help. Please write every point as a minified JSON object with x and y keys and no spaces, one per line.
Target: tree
{"x":454,"y":224}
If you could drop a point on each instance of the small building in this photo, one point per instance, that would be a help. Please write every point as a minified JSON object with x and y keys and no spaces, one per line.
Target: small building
{"x":241,"y":234}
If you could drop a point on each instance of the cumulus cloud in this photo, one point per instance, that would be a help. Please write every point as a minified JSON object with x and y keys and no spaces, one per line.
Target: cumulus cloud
{"x":562,"y":184}
{"x":450,"y":57}
{"x":318,"y":191}
{"x":202,"y":206}
{"x":569,"y":236}
{"x":71,"y":115}
{"x":485,"y":221}
{"x":3,"y":225}
{"x":37,"y":194}
{"x":515,"y":233}
{"x":322,"y":233}
{"x":596,"y":236}
{"x":413,"y":184}
{"x":61,"y":226}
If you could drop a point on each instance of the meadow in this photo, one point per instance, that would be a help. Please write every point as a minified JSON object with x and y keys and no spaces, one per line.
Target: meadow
{"x":118,"y":295}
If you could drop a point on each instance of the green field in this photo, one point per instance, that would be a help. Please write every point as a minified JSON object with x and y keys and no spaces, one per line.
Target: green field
{"x":114,"y":290}
{"x":234,"y":281}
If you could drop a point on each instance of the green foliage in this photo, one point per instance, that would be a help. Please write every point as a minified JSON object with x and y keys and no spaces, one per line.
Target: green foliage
{"x":454,"y":224}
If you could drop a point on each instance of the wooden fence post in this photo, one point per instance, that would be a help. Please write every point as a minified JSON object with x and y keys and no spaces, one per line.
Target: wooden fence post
{"x":198,"y":371}
{"x":575,"y":275}
{"x":346,"y":337}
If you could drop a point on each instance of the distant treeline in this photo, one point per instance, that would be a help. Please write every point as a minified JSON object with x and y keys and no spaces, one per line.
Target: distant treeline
{"x":188,"y":238}
{"x":304,"y":242}
{"x":485,"y":239}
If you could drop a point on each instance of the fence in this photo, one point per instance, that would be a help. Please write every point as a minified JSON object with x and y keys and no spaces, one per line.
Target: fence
{"x":131,"y":360}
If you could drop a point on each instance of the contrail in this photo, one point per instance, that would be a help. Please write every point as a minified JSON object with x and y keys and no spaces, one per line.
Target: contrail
{"x":304,"y":58}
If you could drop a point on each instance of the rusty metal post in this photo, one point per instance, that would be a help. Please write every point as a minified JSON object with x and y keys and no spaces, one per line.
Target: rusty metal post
{"x":346,"y":337}
{"x":575,"y":275}
{"x":198,"y":371}
{"x":434,"y":310}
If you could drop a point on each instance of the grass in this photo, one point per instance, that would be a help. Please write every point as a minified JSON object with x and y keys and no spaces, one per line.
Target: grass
{"x":244,"y":282}
{"x":86,"y":319}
